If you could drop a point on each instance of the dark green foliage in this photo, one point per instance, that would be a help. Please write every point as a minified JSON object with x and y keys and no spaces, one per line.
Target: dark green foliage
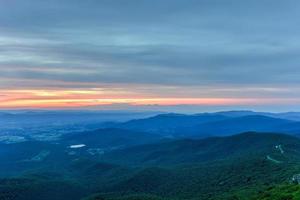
{"x":127,"y":197}
{"x":281,"y":192}
{"x":33,"y":188}
{"x":234,"y":168}
{"x":196,"y":151}
{"x":206,"y":181}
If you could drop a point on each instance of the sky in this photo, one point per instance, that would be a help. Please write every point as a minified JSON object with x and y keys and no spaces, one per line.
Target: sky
{"x":131,"y":54}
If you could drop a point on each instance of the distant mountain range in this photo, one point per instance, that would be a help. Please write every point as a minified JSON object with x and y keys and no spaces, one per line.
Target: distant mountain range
{"x":215,"y":124}
{"x":294,"y":116}
{"x":52,"y":124}
{"x":20,"y":125}
{"x":44,"y":117}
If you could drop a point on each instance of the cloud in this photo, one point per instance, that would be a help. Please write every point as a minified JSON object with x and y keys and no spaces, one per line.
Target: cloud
{"x":212,"y":45}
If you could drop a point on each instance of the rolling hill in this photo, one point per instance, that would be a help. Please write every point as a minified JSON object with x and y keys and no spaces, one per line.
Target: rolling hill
{"x":187,"y":151}
{"x":235,"y":167}
{"x":207,"y":125}
{"x":170,"y":124}
{"x":232,"y":167}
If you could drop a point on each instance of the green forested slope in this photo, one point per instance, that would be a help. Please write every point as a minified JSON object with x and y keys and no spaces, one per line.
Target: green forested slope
{"x":246,"y":166}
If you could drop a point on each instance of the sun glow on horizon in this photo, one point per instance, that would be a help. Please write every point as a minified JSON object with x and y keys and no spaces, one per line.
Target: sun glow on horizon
{"x":42,"y":98}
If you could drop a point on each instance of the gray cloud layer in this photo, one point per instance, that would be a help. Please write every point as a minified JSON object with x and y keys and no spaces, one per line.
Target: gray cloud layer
{"x":162,"y":42}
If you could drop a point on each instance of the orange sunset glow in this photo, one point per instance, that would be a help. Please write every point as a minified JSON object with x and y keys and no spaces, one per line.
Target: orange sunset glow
{"x":98,"y":97}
